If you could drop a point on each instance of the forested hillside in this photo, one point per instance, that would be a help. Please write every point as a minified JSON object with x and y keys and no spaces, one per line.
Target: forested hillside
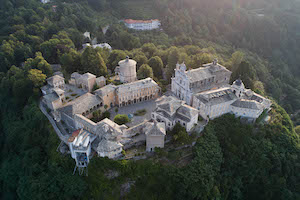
{"x":258,"y":40}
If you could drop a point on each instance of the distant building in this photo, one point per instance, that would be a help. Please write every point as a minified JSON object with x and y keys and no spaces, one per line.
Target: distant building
{"x":86,"y":81}
{"x":45,"y":1}
{"x":127,"y":70}
{"x":155,"y":135}
{"x":102,"y":46}
{"x":87,"y":35}
{"x":189,"y":82}
{"x":170,"y":111}
{"x":142,"y":24}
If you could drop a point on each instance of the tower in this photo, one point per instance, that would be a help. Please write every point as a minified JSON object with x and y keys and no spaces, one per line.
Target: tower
{"x":127,"y":70}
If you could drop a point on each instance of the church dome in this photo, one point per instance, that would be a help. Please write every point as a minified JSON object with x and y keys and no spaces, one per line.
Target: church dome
{"x":238,"y":83}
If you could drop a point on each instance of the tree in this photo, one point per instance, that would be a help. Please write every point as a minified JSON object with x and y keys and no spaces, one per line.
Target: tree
{"x":121,"y":119}
{"x":38,"y":63}
{"x":71,"y":61}
{"x":246,"y":72}
{"x":115,"y":57}
{"x":92,"y":62}
{"x":157,"y":66}
{"x":297,"y":129}
{"x":140,"y":60}
{"x":144,"y":71}
{"x":200,"y":59}
{"x":37,"y":77}
{"x":56,"y":46}
{"x":236,"y":59}
{"x":149,"y":49}
{"x":173,"y":59}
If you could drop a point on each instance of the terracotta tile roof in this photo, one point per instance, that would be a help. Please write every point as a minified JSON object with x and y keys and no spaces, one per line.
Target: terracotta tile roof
{"x":132,"y":21}
{"x":74,"y":135}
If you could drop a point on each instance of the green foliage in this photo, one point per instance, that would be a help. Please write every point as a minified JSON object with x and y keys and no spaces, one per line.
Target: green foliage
{"x":37,"y":77}
{"x":180,"y":136}
{"x":121,"y":119}
{"x":92,"y":62}
{"x":144,"y":71}
{"x":140,"y":112}
{"x":157,"y":65}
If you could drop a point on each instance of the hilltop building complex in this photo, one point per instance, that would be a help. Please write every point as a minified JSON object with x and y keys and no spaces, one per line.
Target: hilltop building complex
{"x":204,"y":92}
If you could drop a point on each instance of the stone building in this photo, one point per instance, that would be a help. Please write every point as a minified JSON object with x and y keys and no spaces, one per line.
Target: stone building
{"x":87,"y":81}
{"x":189,"y":82}
{"x":170,"y":111}
{"x":214,"y":103}
{"x":155,"y":135}
{"x":107,"y":94}
{"x":108,"y":135}
{"x":136,"y":92}
{"x":234,"y":99}
{"x":126,"y":70}
{"x":56,"y":81}
{"x":129,"y":93}
{"x":84,"y":105}
{"x":55,"y":99}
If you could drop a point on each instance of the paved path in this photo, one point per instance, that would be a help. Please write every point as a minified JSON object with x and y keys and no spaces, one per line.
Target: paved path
{"x":62,"y":137}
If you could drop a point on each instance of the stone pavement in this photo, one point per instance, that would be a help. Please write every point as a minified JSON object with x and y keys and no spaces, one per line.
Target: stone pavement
{"x":131,"y":109}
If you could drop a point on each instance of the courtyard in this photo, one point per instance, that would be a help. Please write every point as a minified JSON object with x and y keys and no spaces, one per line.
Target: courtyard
{"x":149,"y":106}
{"x":72,"y":92}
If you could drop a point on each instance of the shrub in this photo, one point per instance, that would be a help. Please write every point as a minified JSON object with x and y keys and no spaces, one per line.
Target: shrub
{"x":140,"y":112}
{"x":74,"y":94}
{"x":67,"y":98}
{"x":116,"y":110}
{"x":121,"y":119}
{"x":106,"y":114}
{"x":200,"y":119}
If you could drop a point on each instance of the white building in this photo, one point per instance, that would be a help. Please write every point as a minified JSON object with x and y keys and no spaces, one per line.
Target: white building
{"x":127,"y":70}
{"x":189,"y":82}
{"x":142,"y":24}
{"x":80,"y":146}
{"x":45,"y":1}
{"x":170,"y":111}
{"x":101,"y":45}
{"x":234,"y":99}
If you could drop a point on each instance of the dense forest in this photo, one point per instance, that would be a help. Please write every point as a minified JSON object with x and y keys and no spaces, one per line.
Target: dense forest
{"x":258,"y":40}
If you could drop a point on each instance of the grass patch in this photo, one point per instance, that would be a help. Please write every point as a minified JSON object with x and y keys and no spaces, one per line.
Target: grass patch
{"x":140,"y":112}
{"x":74,"y":94}
{"x":67,"y":98}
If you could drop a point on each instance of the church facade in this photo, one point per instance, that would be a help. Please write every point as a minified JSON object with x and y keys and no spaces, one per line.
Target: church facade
{"x":189,"y":82}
